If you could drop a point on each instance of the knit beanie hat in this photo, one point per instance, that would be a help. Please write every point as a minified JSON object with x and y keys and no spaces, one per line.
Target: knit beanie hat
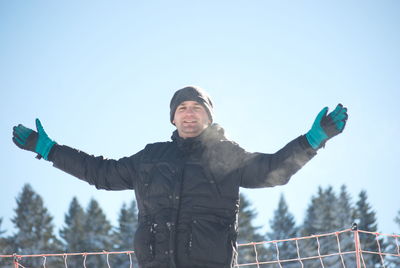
{"x":191,"y":93}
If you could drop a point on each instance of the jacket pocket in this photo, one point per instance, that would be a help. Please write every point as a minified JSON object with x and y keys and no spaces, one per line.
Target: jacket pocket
{"x":210,"y":240}
{"x":161,"y":241}
{"x":144,"y":243}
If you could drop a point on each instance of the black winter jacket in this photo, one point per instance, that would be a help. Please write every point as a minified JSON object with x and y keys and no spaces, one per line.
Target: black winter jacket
{"x":187,"y":192}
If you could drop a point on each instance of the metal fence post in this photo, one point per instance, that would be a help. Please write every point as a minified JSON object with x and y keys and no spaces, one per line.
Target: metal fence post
{"x":354,"y":228}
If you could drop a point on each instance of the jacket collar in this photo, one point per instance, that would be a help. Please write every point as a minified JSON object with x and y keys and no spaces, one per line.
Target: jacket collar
{"x":212,"y":134}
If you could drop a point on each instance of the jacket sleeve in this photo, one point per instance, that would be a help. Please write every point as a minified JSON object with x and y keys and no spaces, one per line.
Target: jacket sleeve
{"x":267,"y":170}
{"x":103,"y":173}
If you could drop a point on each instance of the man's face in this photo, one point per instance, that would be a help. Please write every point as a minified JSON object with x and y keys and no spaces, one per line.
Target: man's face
{"x":190,"y":119}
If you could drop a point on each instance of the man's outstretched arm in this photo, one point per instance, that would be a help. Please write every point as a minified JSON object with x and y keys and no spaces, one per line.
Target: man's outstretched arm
{"x":267,"y":170}
{"x":103,"y":173}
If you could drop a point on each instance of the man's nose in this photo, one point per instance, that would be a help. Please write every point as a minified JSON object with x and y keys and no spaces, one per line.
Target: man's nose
{"x":189,"y":111}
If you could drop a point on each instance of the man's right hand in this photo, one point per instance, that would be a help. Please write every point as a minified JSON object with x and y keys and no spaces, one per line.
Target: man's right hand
{"x":28,"y":139}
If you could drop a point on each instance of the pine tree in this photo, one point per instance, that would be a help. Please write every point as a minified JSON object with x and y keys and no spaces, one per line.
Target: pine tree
{"x":321,"y":218}
{"x":364,"y":214}
{"x":98,"y":235}
{"x":248,"y":233}
{"x":34,"y":228}
{"x":1,"y":231}
{"x":283,"y":226}
{"x":345,"y":217}
{"x":2,"y":239}
{"x":73,"y":233}
{"x":367,"y":222}
{"x":124,"y":234}
{"x":5,"y":248}
{"x":345,"y":210}
{"x":322,"y":213}
{"x":393,"y":246}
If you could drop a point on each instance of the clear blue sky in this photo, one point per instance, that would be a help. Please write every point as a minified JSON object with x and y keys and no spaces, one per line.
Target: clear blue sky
{"x":100,"y":75}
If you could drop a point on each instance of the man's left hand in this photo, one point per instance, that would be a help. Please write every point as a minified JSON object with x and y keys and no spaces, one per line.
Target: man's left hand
{"x":327,"y":126}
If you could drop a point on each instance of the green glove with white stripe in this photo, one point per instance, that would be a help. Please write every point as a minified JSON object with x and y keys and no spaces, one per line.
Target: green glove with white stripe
{"x":28,"y":139}
{"x":327,"y":126}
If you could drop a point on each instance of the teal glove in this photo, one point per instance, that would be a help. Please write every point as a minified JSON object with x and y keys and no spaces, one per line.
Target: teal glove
{"x":28,"y":139}
{"x":327,"y":126}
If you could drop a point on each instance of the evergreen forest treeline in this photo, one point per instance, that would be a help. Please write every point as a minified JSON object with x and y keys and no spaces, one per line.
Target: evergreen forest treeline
{"x":89,"y":230}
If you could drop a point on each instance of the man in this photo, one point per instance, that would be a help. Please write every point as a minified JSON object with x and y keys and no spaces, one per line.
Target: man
{"x":187,"y":189}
